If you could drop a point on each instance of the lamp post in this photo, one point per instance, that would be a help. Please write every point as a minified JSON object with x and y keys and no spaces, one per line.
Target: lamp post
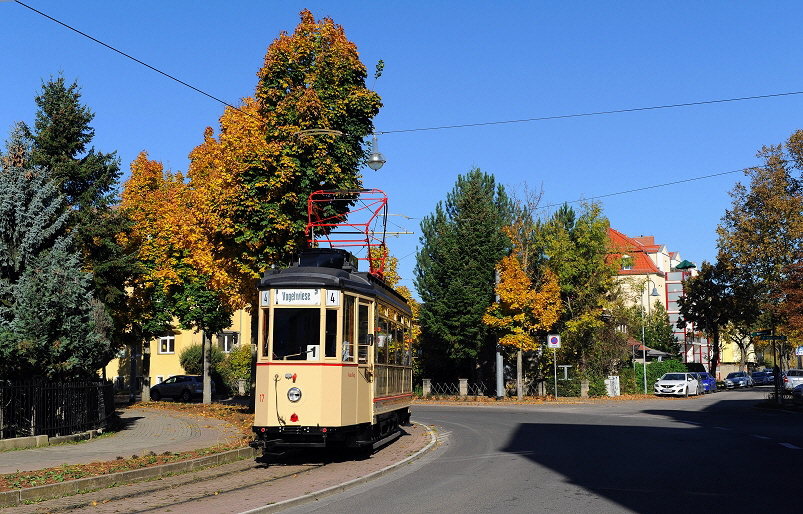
{"x":643,"y":341}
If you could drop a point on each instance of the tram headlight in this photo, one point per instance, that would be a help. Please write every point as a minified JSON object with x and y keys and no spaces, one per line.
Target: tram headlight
{"x":294,"y":394}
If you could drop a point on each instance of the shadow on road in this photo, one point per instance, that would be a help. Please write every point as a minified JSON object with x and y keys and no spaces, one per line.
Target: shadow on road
{"x":711,"y":460}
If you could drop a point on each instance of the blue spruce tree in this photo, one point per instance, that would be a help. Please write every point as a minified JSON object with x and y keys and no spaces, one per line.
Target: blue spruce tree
{"x":46,"y":323}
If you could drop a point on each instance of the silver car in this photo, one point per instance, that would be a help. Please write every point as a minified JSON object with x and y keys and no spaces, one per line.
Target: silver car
{"x":738,"y":379}
{"x":678,"y":384}
{"x":794,"y":377}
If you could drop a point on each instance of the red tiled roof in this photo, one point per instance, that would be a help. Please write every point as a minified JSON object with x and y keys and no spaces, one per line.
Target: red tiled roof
{"x":637,"y":346}
{"x":636,"y":250}
{"x":648,"y":242}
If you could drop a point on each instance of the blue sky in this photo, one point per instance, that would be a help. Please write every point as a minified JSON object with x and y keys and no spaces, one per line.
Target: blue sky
{"x":455,"y":63}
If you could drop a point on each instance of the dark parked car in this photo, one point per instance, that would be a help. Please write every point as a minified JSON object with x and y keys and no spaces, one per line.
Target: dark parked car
{"x":761,"y":378}
{"x":184,"y":387}
{"x":708,"y":381}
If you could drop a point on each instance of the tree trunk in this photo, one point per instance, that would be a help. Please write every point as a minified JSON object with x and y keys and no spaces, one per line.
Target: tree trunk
{"x":715,"y":356}
{"x":132,"y":386}
{"x":207,"y":349}
{"x":519,"y":384}
{"x":146,"y":371}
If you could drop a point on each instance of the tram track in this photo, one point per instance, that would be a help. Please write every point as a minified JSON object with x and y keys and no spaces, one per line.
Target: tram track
{"x":237,"y":486}
{"x":173,"y":490}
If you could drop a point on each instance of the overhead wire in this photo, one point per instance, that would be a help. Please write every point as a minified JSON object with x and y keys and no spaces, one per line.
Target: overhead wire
{"x":443,"y":127}
{"x":645,"y":188}
{"x":157,"y":70}
{"x":468,"y":125}
{"x":597,"y":113}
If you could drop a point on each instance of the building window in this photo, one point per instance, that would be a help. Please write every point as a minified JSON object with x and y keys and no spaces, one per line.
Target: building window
{"x":167,"y":344}
{"x":227,"y":341}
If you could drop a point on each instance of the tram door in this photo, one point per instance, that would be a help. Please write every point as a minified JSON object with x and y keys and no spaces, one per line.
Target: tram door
{"x":365,"y":359}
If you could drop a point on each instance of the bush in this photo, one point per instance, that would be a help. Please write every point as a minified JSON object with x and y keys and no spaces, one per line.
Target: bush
{"x":656,"y":370}
{"x":628,"y":383}
{"x":596,"y":386}
{"x":192,"y":359}
{"x":237,"y":366}
{"x":566,"y":388}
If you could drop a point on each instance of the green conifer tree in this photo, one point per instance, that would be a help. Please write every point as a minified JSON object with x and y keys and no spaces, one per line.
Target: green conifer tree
{"x":46,"y":319}
{"x":89,"y":180}
{"x":461,"y":243}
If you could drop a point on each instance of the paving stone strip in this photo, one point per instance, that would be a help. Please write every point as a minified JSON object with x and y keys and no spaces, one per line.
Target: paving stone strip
{"x":140,"y":485}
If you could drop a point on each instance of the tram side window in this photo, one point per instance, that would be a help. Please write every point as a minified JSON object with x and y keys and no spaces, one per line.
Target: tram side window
{"x":266,"y":331}
{"x":362,"y":335}
{"x":293,"y":331}
{"x":382,"y":342}
{"x":398,"y":344}
{"x":348,"y":329}
{"x":330,"y":339}
{"x":408,"y":346}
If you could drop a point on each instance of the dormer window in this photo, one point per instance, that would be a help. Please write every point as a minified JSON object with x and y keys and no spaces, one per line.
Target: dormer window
{"x":627,"y":263}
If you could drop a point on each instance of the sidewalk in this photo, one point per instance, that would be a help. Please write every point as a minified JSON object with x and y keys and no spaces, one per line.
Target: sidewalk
{"x":145,"y":430}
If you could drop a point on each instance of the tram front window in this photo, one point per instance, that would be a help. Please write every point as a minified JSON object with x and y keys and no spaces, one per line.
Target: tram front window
{"x":295,"y":333}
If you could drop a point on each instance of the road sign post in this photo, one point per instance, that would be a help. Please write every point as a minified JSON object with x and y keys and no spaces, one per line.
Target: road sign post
{"x":553,"y":341}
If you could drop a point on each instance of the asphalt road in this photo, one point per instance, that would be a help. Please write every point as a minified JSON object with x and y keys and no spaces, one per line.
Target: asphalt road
{"x":713,"y":454}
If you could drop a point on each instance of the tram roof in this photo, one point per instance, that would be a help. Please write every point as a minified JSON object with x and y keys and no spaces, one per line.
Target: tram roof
{"x":331,"y":268}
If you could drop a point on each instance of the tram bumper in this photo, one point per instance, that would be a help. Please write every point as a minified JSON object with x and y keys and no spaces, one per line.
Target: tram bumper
{"x":269,"y":438}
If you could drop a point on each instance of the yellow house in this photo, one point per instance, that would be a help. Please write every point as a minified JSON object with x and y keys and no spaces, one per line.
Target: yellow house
{"x":730,"y":357}
{"x":163,"y":353}
{"x":651,"y":273}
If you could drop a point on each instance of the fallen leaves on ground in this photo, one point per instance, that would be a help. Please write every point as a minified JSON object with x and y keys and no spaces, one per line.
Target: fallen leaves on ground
{"x":237,"y":416}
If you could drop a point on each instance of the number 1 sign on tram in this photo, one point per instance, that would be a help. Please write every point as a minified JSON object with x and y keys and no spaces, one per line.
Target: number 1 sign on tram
{"x":553,"y":341}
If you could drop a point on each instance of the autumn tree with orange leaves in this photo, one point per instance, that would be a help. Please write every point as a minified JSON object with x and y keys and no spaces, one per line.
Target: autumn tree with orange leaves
{"x":172,"y":283}
{"x":302,"y":131}
{"x":242,"y":206}
{"x":523,"y":310}
{"x":243,"y":203}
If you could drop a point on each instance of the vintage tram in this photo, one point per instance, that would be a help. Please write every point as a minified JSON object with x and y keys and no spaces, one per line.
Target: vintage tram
{"x":334,"y":358}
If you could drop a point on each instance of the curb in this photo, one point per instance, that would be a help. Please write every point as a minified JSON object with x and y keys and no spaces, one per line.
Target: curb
{"x":71,"y":487}
{"x":323,"y":493}
{"x":37,"y":441}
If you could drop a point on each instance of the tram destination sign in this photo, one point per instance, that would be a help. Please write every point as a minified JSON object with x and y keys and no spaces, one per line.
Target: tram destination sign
{"x":297,"y":296}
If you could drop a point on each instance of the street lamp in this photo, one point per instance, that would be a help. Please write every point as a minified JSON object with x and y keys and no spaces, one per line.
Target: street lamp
{"x":643,"y":341}
{"x":376,"y":159}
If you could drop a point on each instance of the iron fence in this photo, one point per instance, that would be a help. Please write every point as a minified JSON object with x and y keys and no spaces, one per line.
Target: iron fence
{"x":453,"y":389}
{"x":53,"y":408}
{"x":530,"y":387}
{"x":444,"y":389}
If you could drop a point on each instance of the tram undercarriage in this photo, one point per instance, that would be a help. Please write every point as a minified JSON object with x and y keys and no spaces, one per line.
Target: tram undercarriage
{"x":364,"y":436}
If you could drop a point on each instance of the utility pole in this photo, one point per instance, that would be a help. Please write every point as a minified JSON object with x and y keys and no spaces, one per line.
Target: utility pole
{"x":500,"y":371}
